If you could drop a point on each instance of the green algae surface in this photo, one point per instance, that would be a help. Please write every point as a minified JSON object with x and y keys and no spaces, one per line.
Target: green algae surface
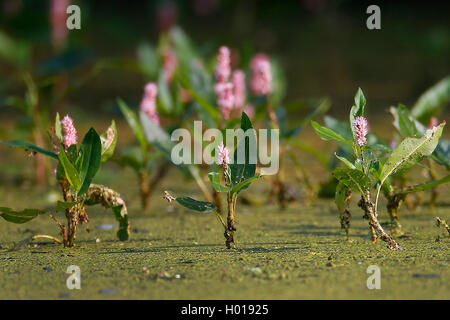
{"x":173,"y":253}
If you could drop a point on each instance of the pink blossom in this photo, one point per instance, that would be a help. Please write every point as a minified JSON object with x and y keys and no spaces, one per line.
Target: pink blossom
{"x":148,"y":103}
{"x":360,"y":127}
{"x":239,"y":91}
{"x":261,"y":75}
{"x":223,"y":68}
{"x":393,"y":144}
{"x":58,"y":18}
{"x":170,"y":63}
{"x":433,"y":122}
{"x":70,"y":133}
{"x":249,"y":110}
{"x":222,"y":154}
{"x":225,"y":98}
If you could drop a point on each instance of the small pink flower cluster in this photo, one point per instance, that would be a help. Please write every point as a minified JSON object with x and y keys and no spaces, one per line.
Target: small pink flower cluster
{"x":58,"y":18}
{"x":70,"y":133}
{"x":222,"y":154}
{"x":361,"y":128}
{"x":223,"y":88}
{"x":170,"y":63}
{"x":239,"y":91}
{"x":148,"y":103}
{"x":261,"y":83}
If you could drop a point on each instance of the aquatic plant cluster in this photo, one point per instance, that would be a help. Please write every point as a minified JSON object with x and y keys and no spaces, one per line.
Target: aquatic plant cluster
{"x":183,"y":86}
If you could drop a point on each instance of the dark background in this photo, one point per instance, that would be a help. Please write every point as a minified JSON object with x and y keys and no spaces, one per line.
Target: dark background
{"x":323,"y":45}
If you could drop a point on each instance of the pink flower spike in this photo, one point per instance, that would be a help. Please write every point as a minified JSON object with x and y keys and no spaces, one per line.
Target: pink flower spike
{"x":249,"y":110}
{"x":223,"y":69}
{"x":70,"y":133}
{"x":361,"y":128}
{"x":225,"y":98}
{"x":170,"y":63}
{"x":261,"y":83}
{"x":239,"y":91}
{"x":148,"y":103}
{"x":222,"y":154}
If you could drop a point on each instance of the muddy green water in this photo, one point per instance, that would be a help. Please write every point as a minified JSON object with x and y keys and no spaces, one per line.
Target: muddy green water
{"x":299,"y":253}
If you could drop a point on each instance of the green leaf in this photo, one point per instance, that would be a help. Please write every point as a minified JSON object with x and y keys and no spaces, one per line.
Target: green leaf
{"x":29,"y":146}
{"x":153,"y":132}
{"x":411,"y":151}
{"x":328,"y":134}
{"x":121,"y":215}
{"x":244,"y":184}
{"x":164,"y":98}
{"x":61,"y":206}
{"x":20,"y":216}
{"x":202,"y":206}
{"x":425,"y":186}
{"x":345,"y":161}
{"x":432,"y":101}
{"x":358,"y":109}
{"x":58,"y":129}
{"x":442,"y":153}
{"x":134,"y":123}
{"x":214,"y":177}
{"x":243,"y":171}
{"x":353,"y":179}
{"x":90,"y":156}
{"x":70,"y":171}
{"x":109,"y":141}
{"x":406,"y":125}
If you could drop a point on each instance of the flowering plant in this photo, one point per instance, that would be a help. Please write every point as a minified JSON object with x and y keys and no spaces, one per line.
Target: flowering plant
{"x":235,"y":178}
{"x":75,"y":170}
{"x":374,"y":168}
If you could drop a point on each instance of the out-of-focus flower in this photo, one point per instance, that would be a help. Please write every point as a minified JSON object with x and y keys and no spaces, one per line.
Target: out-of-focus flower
{"x":249,"y":110}
{"x":166,"y":15}
{"x":170,"y":63}
{"x":225,"y":98}
{"x":222,"y":154}
{"x":58,"y":18}
{"x":70,"y":133}
{"x":148,"y":103}
{"x":361,"y":128}
{"x":433,"y":123}
{"x":223,"y":68}
{"x":261,"y":83}
{"x":239,"y":91}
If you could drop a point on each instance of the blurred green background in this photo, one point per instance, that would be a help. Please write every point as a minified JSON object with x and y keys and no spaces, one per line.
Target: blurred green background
{"x":323,"y":45}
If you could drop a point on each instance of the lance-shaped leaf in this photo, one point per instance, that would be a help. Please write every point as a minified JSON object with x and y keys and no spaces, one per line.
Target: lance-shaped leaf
{"x":202,"y":206}
{"x":134,"y":123}
{"x":58,"y":128}
{"x":442,"y":153}
{"x":424,"y":186}
{"x":70,"y":171}
{"x":345,"y":161}
{"x":411,"y":151}
{"x":246,"y":170}
{"x":353,"y":179}
{"x":432,"y":101}
{"x":214,"y":177}
{"x":19,"y":216}
{"x":244,"y":184}
{"x":328,"y":134}
{"x":29,"y":146}
{"x":403,"y":121}
{"x":109,"y":141}
{"x":358,"y":109}
{"x":61,"y":206}
{"x":89,"y":159}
